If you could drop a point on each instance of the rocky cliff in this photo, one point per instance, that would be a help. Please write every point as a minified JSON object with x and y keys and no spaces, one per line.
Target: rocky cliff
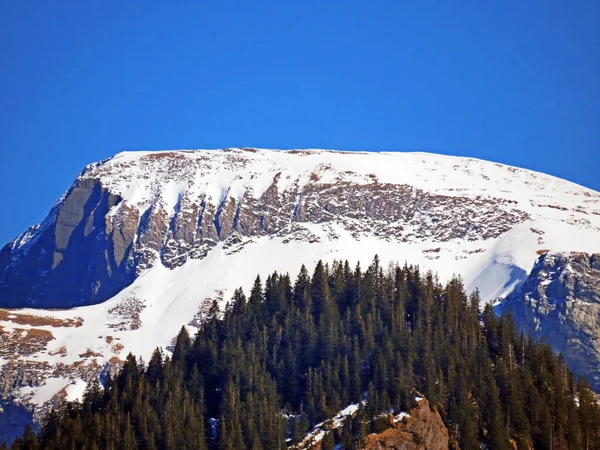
{"x":70,"y":259}
{"x":560,"y":302}
{"x":422,"y":428}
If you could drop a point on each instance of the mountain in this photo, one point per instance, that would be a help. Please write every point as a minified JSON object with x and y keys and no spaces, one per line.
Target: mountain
{"x":560,"y":303}
{"x":143,"y":242}
{"x":123,"y":215}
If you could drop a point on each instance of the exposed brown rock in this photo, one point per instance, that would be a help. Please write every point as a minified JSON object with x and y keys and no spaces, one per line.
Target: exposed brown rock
{"x":126,"y":314}
{"x":23,"y":342}
{"x":14,"y":316}
{"x":423,"y":429}
{"x":89,"y":353}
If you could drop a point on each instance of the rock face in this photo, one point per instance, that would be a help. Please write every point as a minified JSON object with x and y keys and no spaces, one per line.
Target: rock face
{"x":560,"y":302}
{"x":70,"y":259}
{"x":422,"y":429}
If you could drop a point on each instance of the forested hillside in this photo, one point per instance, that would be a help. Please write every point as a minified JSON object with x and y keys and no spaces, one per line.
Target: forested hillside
{"x":296,"y":351}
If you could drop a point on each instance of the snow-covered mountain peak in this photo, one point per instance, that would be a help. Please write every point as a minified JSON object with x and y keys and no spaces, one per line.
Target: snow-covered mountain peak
{"x":137,"y":208}
{"x":142,"y":242}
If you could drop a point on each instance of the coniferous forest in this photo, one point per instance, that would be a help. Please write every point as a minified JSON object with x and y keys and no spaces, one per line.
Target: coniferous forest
{"x":294,"y":352}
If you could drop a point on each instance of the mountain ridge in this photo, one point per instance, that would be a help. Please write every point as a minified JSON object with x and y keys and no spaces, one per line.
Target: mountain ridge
{"x":158,"y":209}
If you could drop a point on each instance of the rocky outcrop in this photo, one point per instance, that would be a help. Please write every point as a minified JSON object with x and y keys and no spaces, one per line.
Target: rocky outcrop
{"x":560,"y":302}
{"x":421,"y":429}
{"x":72,"y":258}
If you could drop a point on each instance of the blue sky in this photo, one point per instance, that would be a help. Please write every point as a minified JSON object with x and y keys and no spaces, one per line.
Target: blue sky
{"x":509,"y":81}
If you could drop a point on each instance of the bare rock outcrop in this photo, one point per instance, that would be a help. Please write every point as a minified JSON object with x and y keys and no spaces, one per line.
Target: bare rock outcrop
{"x":422,"y":429}
{"x":560,"y":302}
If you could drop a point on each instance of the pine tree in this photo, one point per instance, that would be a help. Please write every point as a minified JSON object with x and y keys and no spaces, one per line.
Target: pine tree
{"x":129,"y":440}
{"x":30,"y":440}
{"x":182,"y":345}
{"x":155,"y":372}
{"x":328,"y":442}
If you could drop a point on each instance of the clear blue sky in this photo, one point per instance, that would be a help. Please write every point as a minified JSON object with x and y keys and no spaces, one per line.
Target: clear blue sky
{"x":516,"y":82}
